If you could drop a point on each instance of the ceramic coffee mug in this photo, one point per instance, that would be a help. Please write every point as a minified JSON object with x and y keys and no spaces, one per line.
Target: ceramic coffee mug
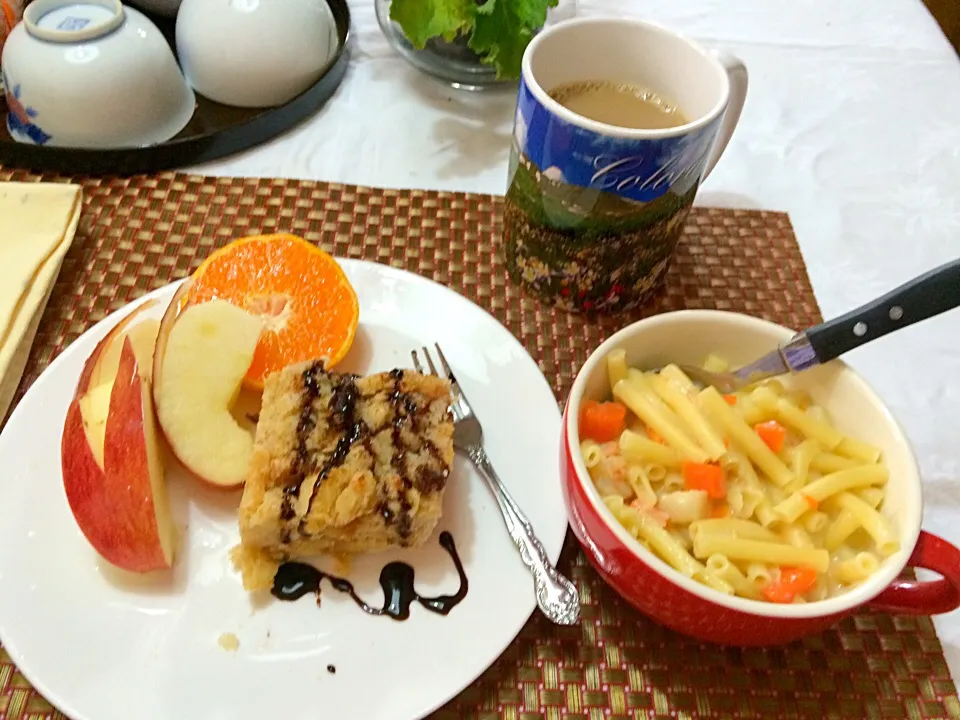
{"x":593,"y":211}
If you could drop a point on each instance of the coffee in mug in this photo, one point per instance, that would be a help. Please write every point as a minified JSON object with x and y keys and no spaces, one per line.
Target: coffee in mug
{"x":620,"y":104}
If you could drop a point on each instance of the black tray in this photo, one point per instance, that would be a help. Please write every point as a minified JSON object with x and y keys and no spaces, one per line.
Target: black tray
{"x":214,"y":131}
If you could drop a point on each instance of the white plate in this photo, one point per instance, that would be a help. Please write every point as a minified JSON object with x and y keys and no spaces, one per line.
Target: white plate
{"x":99,"y":646}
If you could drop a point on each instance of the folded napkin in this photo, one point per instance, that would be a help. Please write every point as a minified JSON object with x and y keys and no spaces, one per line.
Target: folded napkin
{"x":37,"y":226}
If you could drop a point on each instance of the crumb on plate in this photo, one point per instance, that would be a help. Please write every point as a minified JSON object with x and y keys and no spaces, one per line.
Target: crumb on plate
{"x":229,"y":642}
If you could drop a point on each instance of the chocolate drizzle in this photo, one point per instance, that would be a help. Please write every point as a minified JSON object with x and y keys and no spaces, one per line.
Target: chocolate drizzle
{"x":430,"y":480}
{"x":294,"y":580}
{"x":343,"y":418}
{"x":306,"y":423}
{"x":303,"y":459}
{"x":398,"y":461}
{"x":395,"y":510}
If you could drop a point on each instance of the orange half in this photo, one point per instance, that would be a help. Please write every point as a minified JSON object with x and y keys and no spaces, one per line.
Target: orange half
{"x":310,"y":308}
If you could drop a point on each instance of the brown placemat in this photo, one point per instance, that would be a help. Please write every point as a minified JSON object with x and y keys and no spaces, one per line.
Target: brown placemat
{"x":137,"y":234}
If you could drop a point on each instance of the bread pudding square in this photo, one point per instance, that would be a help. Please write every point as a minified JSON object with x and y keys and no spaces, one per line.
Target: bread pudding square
{"x":343,"y":464}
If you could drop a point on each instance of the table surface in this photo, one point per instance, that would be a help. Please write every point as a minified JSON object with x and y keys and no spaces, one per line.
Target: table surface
{"x":852,"y":126}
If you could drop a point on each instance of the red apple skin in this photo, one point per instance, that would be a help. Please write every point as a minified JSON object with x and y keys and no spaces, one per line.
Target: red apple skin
{"x":128,"y":469}
{"x":83,"y":480}
{"x":115,"y":509}
{"x":90,"y":366}
{"x":83,"y":384}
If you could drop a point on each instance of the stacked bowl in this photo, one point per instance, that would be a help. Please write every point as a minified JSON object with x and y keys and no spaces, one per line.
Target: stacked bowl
{"x":98,"y":74}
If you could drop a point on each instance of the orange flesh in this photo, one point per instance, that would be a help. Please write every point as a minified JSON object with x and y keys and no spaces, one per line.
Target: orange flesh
{"x":311,"y":311}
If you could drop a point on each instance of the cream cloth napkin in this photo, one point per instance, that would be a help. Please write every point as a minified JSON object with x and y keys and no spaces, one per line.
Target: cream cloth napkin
{"x":38,"y":222}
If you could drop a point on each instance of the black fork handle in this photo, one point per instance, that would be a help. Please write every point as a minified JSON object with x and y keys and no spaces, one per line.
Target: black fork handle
{"x":923,"y":297}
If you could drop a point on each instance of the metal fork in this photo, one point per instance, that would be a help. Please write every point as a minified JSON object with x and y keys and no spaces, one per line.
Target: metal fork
{"x":556,"y":595}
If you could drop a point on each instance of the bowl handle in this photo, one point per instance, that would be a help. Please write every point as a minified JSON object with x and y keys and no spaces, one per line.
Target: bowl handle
{"x":912,"y":597}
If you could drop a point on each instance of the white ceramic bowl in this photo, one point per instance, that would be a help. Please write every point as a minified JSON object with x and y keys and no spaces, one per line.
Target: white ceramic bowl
{"x":255,"y":53}
{"x":167,"y":8}
{"x":92,"y":74}
{"x":689,"y":607}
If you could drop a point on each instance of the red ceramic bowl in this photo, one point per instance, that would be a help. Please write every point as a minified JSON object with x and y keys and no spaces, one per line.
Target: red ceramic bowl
{"x":689,"y":607}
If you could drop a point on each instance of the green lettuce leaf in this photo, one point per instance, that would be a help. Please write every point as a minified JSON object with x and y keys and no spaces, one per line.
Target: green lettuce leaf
{"x":499,"y":30}
{"x":421,"y":20}
{"x":503,"y":28}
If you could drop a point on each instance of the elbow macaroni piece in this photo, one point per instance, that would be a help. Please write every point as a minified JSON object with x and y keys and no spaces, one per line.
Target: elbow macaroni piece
{"x":591,"y":452}
{"x":616,"y":367}
{"x":635,"y":392}
{"x":855,"y":569}
{"x":636,"y":448}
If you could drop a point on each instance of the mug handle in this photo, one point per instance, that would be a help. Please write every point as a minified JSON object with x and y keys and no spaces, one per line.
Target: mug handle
{"x":913,"y":597}
{"x":737,"y":74}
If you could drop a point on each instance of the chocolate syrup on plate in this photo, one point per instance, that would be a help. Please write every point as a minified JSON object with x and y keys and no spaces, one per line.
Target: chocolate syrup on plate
{"x":294,"y":580}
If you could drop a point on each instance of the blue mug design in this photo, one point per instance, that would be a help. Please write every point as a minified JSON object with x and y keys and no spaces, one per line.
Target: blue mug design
{"x":593,"y":213}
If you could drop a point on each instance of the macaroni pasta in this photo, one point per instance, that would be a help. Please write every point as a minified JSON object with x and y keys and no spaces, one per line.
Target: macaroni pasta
{"x":755,"y":494}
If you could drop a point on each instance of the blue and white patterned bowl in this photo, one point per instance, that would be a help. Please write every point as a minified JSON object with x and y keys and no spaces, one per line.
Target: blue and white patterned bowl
{"x":92,"y":74}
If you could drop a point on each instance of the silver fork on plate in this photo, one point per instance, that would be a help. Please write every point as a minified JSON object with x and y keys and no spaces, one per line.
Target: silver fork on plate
{"x":556,"y":595}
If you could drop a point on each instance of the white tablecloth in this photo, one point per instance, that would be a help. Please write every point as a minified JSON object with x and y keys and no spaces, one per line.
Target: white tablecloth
{"x":852,"y":126}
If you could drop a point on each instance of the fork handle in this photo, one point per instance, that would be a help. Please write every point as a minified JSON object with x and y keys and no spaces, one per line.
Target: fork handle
{"x":556,"y":595}
{"x":923,"y":297}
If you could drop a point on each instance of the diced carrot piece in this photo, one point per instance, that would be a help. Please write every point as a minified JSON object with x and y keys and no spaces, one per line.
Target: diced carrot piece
{"x":812,"y":503}
{"x":705,"y":476}
{"x":772,"y":433}
{"x":776,"y":593}
{"x":726,"y":443}
{"x":720,"y":510}
{"x":602,"y":422}
{"x":799,"y":579}
{"x":793,"y":581}
{"x":731,"y":399}
{"x":587,"y":405}
{"x":655,"y":436}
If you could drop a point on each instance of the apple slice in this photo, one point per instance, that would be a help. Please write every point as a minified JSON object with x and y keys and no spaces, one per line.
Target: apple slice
{"x":143,"y":335}
{"x":106,"y":356}
{"x":176,"y":306}
{"x":205,"y":356}
{"x":95,"y":403}
{"x":143,"y":527}
{"x":93,"y":372}
{"x":111,"y":465}
{"x":88,"y":411}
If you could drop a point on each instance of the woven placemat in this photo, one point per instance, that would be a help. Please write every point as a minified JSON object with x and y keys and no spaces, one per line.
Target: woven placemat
{"x":137,"y":234}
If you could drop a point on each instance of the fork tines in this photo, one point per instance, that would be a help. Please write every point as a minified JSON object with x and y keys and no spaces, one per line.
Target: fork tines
{"x":429,"y":361}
